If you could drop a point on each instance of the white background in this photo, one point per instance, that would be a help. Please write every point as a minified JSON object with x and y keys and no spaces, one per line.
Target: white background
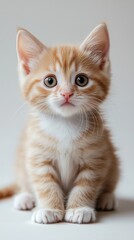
{"x":55,"y":22}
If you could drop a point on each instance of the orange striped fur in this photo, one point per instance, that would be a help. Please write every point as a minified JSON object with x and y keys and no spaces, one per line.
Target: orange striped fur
{"x":66,"y":161}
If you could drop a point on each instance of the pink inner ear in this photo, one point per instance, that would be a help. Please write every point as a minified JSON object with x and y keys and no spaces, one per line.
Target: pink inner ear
{"x":26,"y":68}
{"x":25,"y":59}
{"x":102,"y":64}
{"x":104,"y":57}
{"x":101,"y":52}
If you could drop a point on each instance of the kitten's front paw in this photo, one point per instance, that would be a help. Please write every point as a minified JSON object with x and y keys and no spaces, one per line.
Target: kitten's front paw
{"x":80,"y":215}
{"x":24,"y":201}
{"x":47,"y":216}
{"x":106,"y":202}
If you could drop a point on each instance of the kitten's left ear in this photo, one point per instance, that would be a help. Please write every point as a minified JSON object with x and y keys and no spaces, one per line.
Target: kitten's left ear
{"x":96,"y":45}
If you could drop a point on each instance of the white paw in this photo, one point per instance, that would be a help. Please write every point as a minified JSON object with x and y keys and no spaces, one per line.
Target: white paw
{"x":106,"y":202}
{"x":44,"y":215}
{"x":80,"y":215}
{"x":24,"y":201}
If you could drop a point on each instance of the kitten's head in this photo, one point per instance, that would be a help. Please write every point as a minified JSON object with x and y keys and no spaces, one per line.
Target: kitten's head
{"x":64,"y":80}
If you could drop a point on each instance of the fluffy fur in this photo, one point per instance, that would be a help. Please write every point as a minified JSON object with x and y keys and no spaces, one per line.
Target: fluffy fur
{"x":66,"y":162}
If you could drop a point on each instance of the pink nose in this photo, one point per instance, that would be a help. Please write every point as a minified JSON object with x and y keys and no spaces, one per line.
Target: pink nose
{"x":66,"y":95}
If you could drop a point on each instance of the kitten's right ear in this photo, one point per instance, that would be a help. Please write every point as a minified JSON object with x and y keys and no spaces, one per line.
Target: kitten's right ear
{"x":28,"y":50}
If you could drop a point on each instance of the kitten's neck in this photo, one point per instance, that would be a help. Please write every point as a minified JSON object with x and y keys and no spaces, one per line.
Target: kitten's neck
{"x":68,"y":128}
{"x":63,"y":127}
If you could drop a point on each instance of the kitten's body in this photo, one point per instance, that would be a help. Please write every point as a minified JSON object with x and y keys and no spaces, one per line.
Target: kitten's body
{"x":58,"y":140}
{"x":66,"y":160}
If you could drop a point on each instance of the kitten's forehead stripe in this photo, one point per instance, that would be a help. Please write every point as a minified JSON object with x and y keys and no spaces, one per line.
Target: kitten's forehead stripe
{"x":56,"y":58}
{"x":65,"y":57}
{"x":65,"y":60}
{"x":72,"y":61}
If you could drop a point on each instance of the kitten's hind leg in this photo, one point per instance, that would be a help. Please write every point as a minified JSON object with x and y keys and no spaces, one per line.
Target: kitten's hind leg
{"x":24,"y":201}
{"x":106,"y":202}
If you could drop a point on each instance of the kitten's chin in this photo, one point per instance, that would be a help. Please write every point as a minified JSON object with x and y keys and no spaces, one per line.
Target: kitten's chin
{"x":66,"y":110}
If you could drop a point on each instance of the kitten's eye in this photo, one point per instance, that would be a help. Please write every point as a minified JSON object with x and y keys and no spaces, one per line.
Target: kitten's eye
{"x":81,"y":80}
{"x":50,"y":81}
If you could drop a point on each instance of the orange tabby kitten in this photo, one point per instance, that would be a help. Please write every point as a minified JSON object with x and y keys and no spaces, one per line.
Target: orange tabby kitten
{"x":66,"y":164}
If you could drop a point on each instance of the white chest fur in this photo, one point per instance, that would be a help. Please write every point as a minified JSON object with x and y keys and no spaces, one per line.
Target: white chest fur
{"x":65,"y":131}
{"x":63,"y":128}
{"x":66,"y":162}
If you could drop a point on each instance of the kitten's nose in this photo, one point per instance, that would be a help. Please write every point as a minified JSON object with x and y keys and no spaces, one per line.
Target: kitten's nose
{"x":67,"y":95}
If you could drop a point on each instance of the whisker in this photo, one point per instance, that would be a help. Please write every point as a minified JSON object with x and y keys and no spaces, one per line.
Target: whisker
{"x":18,"y":111}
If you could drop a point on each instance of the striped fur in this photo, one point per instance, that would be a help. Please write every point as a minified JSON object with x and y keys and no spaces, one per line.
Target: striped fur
{"x":66,"y":158}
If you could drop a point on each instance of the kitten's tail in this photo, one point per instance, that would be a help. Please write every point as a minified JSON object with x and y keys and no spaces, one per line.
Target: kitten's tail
{"x":8,"y":191}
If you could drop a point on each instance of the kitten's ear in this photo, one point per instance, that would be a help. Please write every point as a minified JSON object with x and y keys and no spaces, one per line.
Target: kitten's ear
{"x":28,"y":50}
{"x":96,"y":45}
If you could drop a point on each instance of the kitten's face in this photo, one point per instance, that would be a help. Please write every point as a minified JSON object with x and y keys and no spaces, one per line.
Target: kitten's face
{"x":64,"y":80}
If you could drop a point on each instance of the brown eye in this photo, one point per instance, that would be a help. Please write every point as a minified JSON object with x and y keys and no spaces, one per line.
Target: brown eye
{"x":81,"y":80}
{"x":50,"y":81}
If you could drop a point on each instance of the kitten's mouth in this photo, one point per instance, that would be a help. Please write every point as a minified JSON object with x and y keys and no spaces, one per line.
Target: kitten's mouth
{"x":67,"y":104}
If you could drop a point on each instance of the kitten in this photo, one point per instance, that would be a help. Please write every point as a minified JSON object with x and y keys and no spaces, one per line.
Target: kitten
{"x":66,"y":163}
